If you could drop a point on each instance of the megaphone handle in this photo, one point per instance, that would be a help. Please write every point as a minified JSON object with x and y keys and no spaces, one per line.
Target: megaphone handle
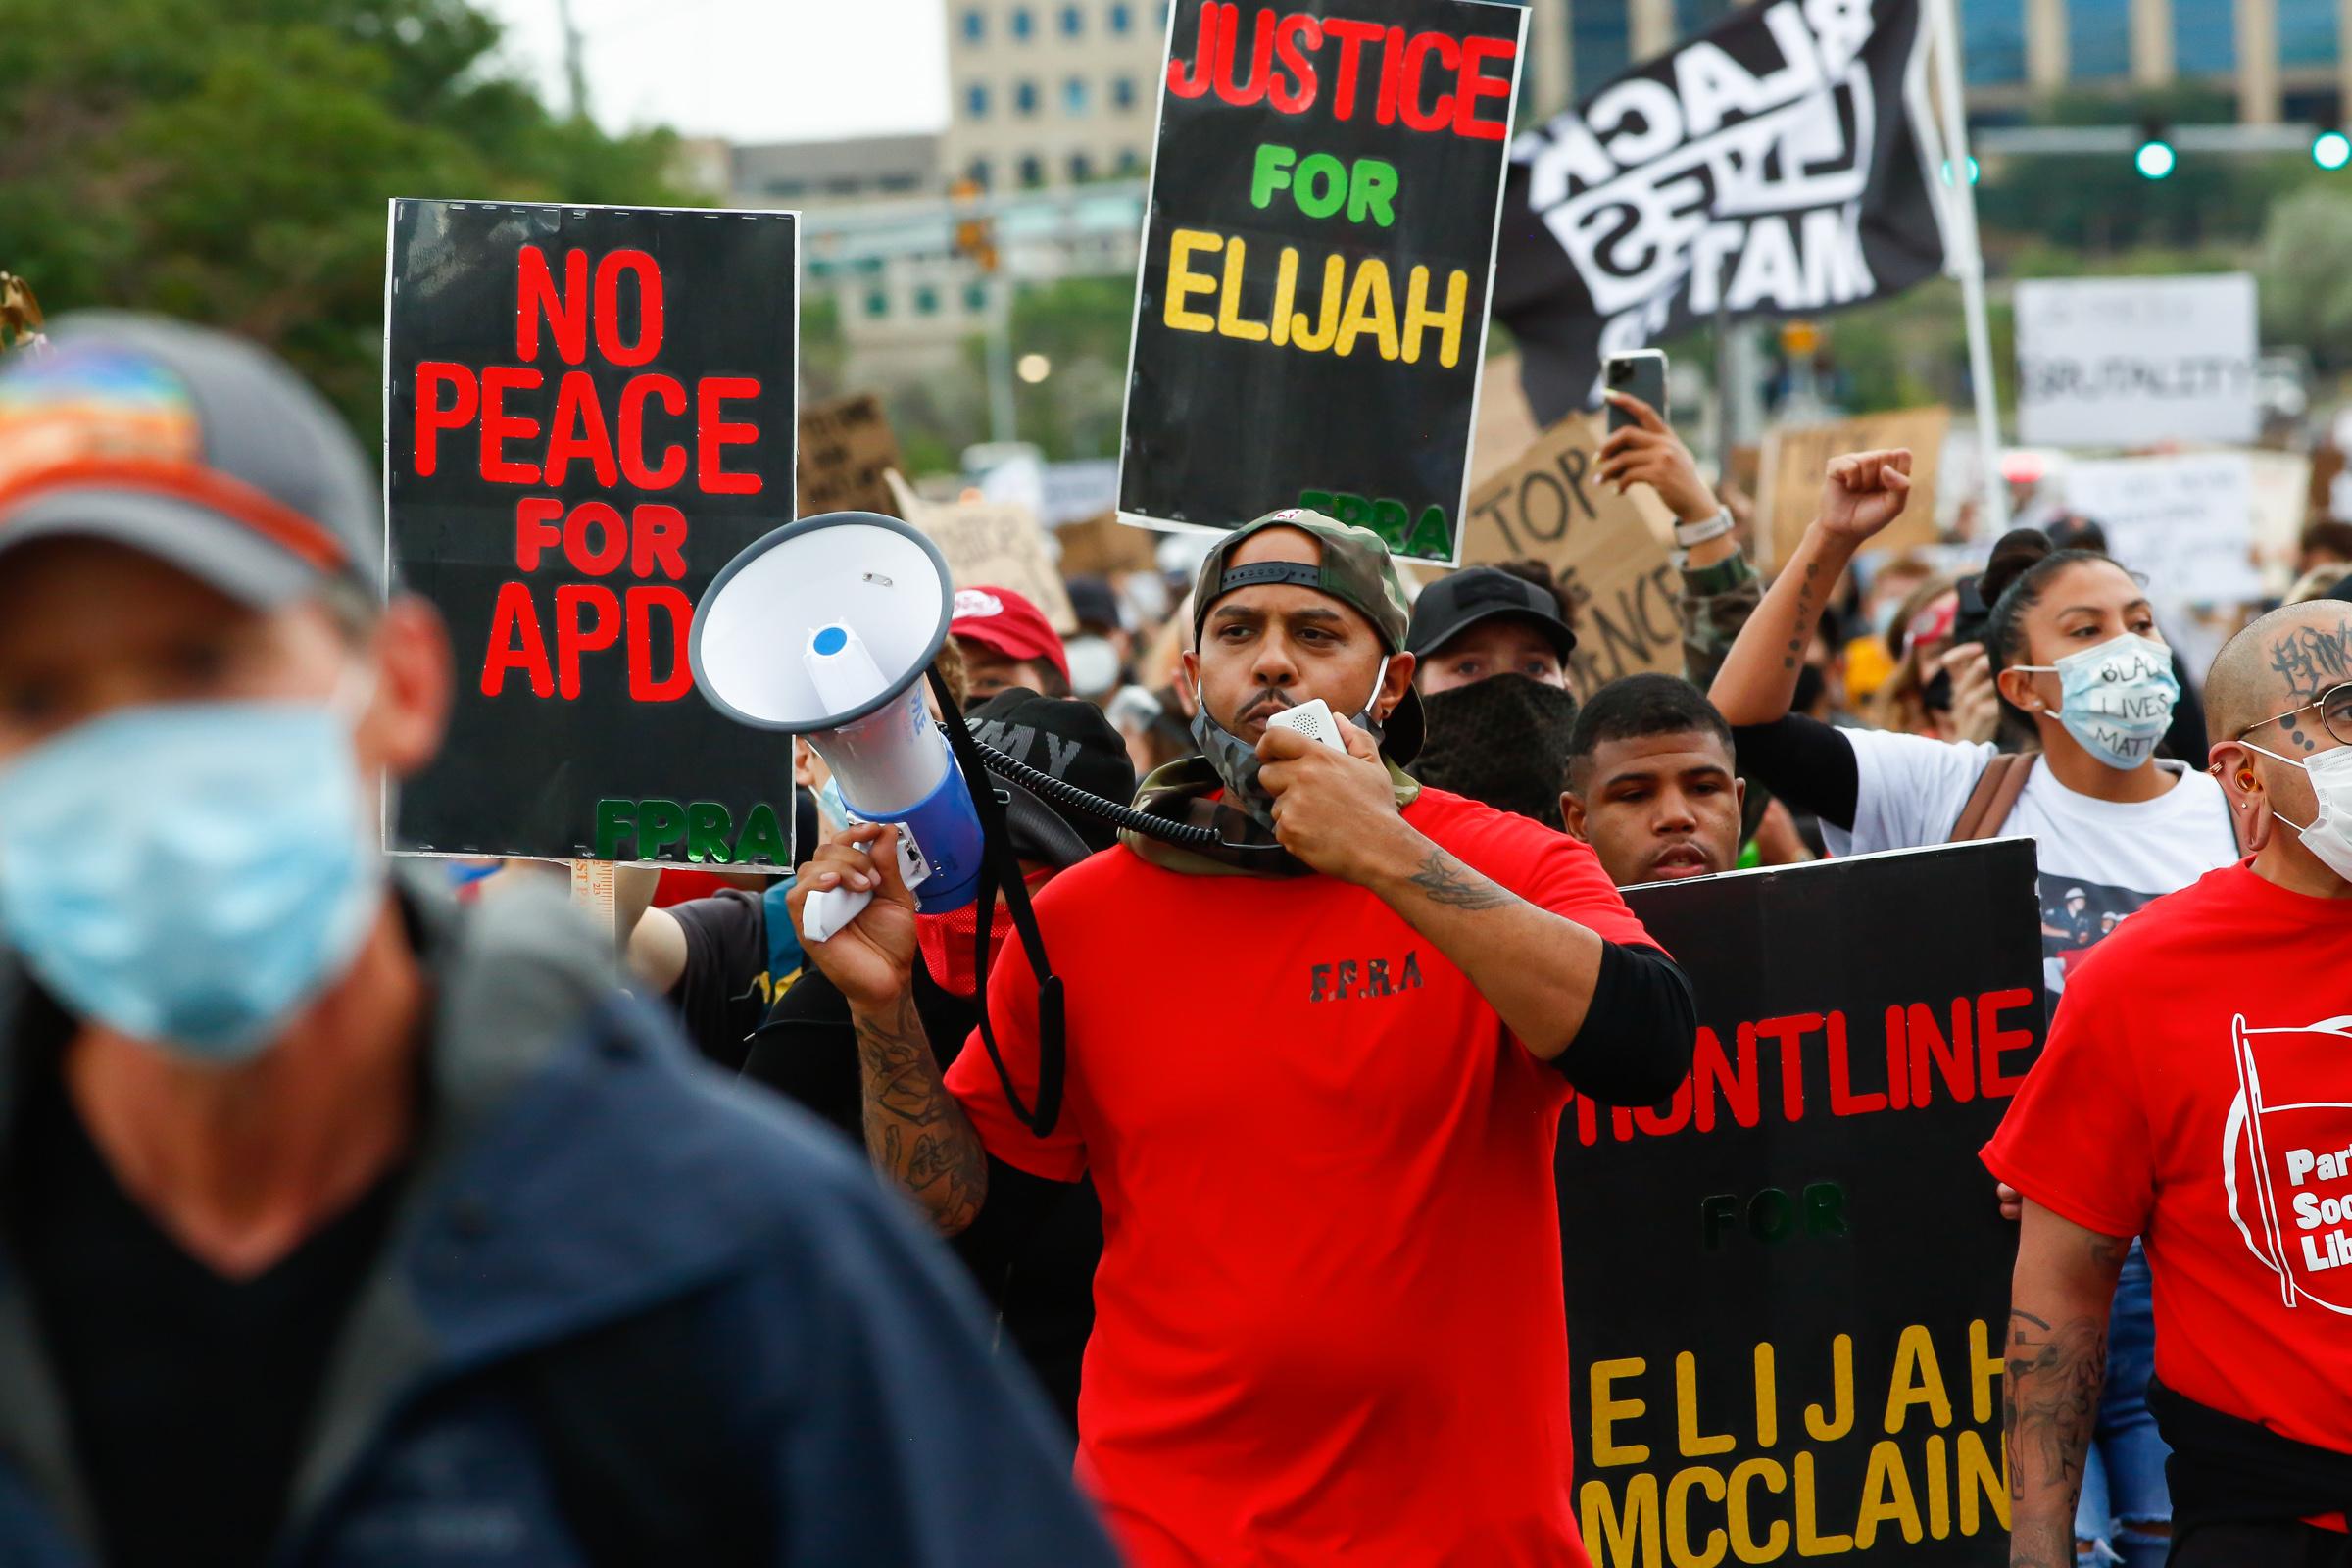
{"x":831,"y":911}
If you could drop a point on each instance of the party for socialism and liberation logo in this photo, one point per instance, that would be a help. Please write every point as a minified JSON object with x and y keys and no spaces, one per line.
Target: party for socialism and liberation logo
{"x":2287,"y":1157}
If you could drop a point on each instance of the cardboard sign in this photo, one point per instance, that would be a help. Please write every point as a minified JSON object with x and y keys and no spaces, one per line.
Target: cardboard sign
{"x":1101,"y":548}
{"x":1789,"y":1285}
{"x":1312,"y":306}
{"x":847,"y":445}
{"x":2130,"y":362}
{"x":1609,"y":549}
{"x":1795,"y":457}
{"x":588,"y":412}
{"x":991,"y":544}
{"x":2184,"y":522}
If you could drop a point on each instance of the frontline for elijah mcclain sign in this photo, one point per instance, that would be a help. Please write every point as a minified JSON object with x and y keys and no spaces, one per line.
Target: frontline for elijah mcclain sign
{"x":1787,"y":1285}
{"x":1311,"y":308}
{"x":587,"y":411}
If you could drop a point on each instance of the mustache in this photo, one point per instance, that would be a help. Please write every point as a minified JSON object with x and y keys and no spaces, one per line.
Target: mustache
{"x":1272,"y":699}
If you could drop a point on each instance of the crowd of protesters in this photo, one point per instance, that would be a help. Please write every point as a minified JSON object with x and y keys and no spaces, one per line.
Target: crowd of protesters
{"x":345,"y":1221}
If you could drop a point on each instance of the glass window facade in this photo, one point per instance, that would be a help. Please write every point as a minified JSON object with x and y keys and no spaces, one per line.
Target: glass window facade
{"x":1599,"y":44}
{"x":2307,"y":34}
{"x":1023,"y":23}
{"x":2205,"y":36}
{"x":1992,"y":42}
{"x":975,"y":25}
{"x":2098,"y":39}
{"x":975,"y":100}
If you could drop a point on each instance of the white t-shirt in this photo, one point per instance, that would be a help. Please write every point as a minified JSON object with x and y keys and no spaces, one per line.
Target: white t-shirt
{"x":2099,"y":860}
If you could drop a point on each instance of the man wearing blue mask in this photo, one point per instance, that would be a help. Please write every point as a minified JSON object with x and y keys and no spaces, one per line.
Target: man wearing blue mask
{"x":338,"y":1227}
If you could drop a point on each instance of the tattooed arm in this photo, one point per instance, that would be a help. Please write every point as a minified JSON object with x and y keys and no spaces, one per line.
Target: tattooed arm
{"x":2057,"y":1362}
{"x":915,"y":1132}
{"x":1863,"y":493}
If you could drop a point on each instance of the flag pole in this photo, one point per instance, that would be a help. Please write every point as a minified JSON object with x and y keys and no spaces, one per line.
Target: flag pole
{"x":1966,"y":261}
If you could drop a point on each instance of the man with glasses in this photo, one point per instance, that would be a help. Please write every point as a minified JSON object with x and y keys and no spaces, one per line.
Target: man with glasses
{"x":2197,"y":1092}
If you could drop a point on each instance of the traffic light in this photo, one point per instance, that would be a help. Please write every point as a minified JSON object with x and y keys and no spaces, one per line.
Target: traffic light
{"x":2331,"y":149}
{"x":975,"y":236}
{"x":2155,"y":158}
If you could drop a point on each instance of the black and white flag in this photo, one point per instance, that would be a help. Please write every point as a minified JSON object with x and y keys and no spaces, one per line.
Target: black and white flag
{"x":1774,"y":165}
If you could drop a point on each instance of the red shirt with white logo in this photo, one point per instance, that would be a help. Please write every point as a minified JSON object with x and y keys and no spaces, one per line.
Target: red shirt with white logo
{"x":1329,"y":1316}
{"x":2198,"y":1090}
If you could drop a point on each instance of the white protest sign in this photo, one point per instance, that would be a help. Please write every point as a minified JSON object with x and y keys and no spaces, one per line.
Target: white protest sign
{"x":2127,"y":361}
{"x":2186,"y":522}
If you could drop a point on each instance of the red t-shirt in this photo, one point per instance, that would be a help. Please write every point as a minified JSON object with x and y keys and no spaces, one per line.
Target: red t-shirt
{"x":2197,"y":1092}
{"x":1329,"y":1319}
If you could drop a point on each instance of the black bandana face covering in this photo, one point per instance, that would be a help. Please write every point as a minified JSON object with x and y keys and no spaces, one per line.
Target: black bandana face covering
{"x":1502,"y":742}
{"x":1236,"y":759}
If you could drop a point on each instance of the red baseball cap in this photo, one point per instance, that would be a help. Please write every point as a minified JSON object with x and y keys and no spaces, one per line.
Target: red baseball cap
{"x":1005,"y":622}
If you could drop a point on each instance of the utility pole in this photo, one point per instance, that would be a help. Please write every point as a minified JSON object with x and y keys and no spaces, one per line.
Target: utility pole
{"x":576,"y":70}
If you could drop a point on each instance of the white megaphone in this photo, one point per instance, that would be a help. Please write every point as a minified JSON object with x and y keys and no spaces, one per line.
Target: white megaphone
{"x":823,"y":630}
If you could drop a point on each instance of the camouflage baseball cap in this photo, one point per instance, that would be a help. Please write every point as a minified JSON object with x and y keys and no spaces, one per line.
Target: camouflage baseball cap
{"x":1357,"y":570}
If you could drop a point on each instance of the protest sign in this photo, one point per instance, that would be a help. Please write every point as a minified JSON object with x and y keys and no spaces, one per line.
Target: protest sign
{"x":1796,"y":457}
{"x":1772,"y":166}
{"x":588,"y":412}
{"x":1506,"y":425}
{"x":2126,"y":361}
{"x":1100,"y":547}
{"x":845,"y":447}
{"x":1608,"y":550}
{"x":1311,"y":308}
{"x":2184,"y":522}
{"x":1789,"y":1285}
{"x":991,"y":544}
{"x":2281,"y":502}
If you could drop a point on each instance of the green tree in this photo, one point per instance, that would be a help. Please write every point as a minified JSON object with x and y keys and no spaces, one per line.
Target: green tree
{"x":2305,"y":287}
{"x":229,"y":161}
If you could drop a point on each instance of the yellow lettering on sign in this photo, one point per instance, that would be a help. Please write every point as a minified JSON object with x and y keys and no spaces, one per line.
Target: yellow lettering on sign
{"x":1694,"y":1444}
{"x":1609,"y":1409}
{"x":1821,"y":1427}
{"x":1768,"y":1400}
{"x":1886,"y":1497}
{"x":1677,"y":1521}
{"x":1983,"y":1365}
{"x":1745,"y":1545}
{"x":1622,"y":1541}
{"x":1372,"y":309}
{"x":1917,"y":1380}
{"x":1316,"y":336}
{"x":1184,"y":282}
{"x":1939,"y":1488}
{"x":1810,"y":1542}
{"x":1231,"y":323}
{"x":1981,"y":1481}
{"x":1419,"y":318}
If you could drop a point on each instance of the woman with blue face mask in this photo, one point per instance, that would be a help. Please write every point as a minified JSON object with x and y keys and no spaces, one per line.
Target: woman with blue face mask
{"x":2076,"y":655}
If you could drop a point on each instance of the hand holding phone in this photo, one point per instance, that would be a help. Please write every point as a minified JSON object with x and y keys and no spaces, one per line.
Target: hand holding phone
{"x":1640,"y":375}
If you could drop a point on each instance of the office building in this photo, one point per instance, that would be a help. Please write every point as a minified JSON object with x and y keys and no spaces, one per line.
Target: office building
{"x":1052,"y":92}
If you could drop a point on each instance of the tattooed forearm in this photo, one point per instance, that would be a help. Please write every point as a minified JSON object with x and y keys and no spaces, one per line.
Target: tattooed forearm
{"x":1446,"y":880}
{"x":915,"y":1132}
{"x":2051,"y":1402}
{"x":1808,"y":612}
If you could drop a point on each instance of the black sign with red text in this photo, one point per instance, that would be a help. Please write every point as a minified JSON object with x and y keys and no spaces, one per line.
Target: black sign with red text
{"x":1320,"y":248}
{"x":588,"y":412}
{"x":1789,"y":1286}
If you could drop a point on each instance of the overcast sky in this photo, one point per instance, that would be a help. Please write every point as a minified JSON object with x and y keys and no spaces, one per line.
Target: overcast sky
{"x":747,"y":69}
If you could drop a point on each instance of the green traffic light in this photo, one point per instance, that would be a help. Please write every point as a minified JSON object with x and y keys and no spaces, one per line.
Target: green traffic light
{"x":2155,"y":160}
{"x":2331,"y":149}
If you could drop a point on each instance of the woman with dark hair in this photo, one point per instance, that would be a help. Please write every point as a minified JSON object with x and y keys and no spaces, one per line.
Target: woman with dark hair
{"x":2074,"y":647}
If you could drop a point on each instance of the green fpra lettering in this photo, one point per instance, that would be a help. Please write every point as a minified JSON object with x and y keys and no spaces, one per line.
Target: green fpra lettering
{"x":643,"y":830}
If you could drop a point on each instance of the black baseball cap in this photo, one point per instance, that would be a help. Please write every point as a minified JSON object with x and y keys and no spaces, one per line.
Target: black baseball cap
{"x":192,"y":445}
{"x":1460,"y":600}
{"x":1072,"y":740}
{"x":1095,"y":603}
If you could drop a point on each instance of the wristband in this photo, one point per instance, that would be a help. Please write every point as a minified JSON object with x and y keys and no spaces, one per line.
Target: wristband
{"x":1691,"y":535}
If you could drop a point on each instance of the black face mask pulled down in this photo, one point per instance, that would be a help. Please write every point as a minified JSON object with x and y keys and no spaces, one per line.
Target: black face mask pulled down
{"x":1502,"y":742}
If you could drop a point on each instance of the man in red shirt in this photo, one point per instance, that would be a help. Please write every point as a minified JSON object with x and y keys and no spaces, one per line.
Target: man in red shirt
{"x":2197,"y":1092}
{"x":1318,"y":1099}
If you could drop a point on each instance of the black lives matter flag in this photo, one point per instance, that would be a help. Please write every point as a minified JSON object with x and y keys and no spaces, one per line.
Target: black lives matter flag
{"x":1772,"y":165}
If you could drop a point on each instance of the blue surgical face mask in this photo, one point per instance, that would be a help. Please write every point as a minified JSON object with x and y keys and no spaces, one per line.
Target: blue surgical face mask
{"x":2117,"y":698}
{"x":832,"y":812}
{"x":191,"y":874}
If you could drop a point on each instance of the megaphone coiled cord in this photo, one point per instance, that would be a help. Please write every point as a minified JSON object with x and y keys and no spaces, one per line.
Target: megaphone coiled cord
{"x":1062,"y":792}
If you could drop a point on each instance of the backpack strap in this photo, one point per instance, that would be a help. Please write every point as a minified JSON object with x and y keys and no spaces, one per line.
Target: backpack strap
{"x":1989,"y":803}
